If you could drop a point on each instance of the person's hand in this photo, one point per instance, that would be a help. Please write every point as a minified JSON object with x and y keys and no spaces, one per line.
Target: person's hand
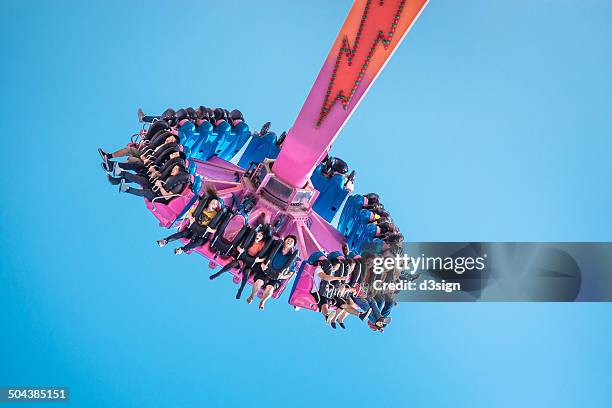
{"x":264,"y":266}
{"x":240,"y":250}
{"x":259,"y":259}
{"x":208,"y":229}
{"x":158,"y":183}
{"x":156,"y":174}
{"x":349,"y":186}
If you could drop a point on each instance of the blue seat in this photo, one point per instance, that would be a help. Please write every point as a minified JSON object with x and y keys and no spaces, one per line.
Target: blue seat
{"x":259,"y":148}
{"x":237,"y":137}
{"x":223,"y":137}
{"x":331,"y":193}
{"x":353,"y":205}
{"x":187,"y":134}
{"x":205,"y":143}
{"x":366,"y":235}
{"x":361,"y":222}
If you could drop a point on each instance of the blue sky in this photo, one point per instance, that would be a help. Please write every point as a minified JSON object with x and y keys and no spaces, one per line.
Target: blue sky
{"x":492,"y":123}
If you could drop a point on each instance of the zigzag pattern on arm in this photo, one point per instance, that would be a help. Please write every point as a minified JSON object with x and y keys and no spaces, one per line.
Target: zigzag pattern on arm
{"x":348,"y":51}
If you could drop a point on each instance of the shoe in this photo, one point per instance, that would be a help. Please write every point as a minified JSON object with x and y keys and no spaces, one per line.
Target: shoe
{"x":178,"y":251}
{"x":342,"y":325}
{"x":116,"y":170}
{"x":108,"y":166}
{"x":105,"y":156}
{"x":112,"y":180}
{"x":375,"y":328}
{"x":162,"y":243}
{"x":214,"y":276}
{"x":140,"y":115}
{"x":333,"y":325}
{"x":123,"y":187}
{"x":384,"y":320}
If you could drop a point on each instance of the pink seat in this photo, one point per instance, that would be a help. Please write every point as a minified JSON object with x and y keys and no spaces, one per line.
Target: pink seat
{"x":301,"y":296}
{"x":167,"y":213}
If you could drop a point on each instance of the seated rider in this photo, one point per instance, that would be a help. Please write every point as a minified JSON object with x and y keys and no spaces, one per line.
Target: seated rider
{"x":251,"y":252}
{"x":203,"y":222}
{"x":233,"y":228}
{"x":167,"y":114}
{"x":176,"y":182}
{"x":321,"y":290}
{"x":137,"y":155}
{"x":279,"y":268}
{"x":344,"y":295}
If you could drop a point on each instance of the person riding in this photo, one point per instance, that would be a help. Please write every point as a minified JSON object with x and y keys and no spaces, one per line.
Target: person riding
{"x":137,"y":154}
{"x":233,"y":228}
{"x":279,"y":268}
{"x":203,"y":221}
{"x":322,"y":290}
{"x":159,"y":190}
{"x":251,"y":252}
{"x":347,"y":289}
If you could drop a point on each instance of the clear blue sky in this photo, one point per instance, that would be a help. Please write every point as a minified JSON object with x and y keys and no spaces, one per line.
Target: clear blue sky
{"x":492,"y":122}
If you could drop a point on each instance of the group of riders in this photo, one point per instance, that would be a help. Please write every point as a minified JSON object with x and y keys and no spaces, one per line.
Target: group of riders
{"x":158,"y":169}
{"x":366,"y":223}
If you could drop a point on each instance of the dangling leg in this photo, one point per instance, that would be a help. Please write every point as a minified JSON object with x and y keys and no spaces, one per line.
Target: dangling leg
{"x":126,"y":151}
{"x":146,"y":193}
{"x":325,"y":310}
{"x":341,"y":316}
{"x":134,"y":178}
{"x":352,"y":310}
{"x":266,"y":295}
{"x":232,"y":264}
{"x":256,"y":286}
{"x":142,"y":118}
{"x":246,"y":274}
{"x":177,"y":235}
{"x":192,"y":244}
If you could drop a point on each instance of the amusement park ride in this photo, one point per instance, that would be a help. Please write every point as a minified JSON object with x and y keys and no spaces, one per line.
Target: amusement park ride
{"x":297,"y":188}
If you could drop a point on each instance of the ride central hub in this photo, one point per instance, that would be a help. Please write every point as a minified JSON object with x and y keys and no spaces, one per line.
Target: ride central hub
{"x":264,"y":183}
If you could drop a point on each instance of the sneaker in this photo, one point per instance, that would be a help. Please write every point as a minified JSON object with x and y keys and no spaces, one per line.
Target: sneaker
{"x":123,"y":187}
{"x":110,"y":166}
{"x":140,"y":115}
{"x":116,"y":170}
{"x":178,"y":251}
{"x":333,"y":325}
{"x":162,"y":243}
{"x":105,"y":156}
{"x":375,"y":328}
{"x":342,"y":325}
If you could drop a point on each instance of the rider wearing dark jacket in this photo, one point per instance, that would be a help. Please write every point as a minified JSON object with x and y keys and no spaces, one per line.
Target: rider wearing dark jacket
{"x":203,"y":222}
